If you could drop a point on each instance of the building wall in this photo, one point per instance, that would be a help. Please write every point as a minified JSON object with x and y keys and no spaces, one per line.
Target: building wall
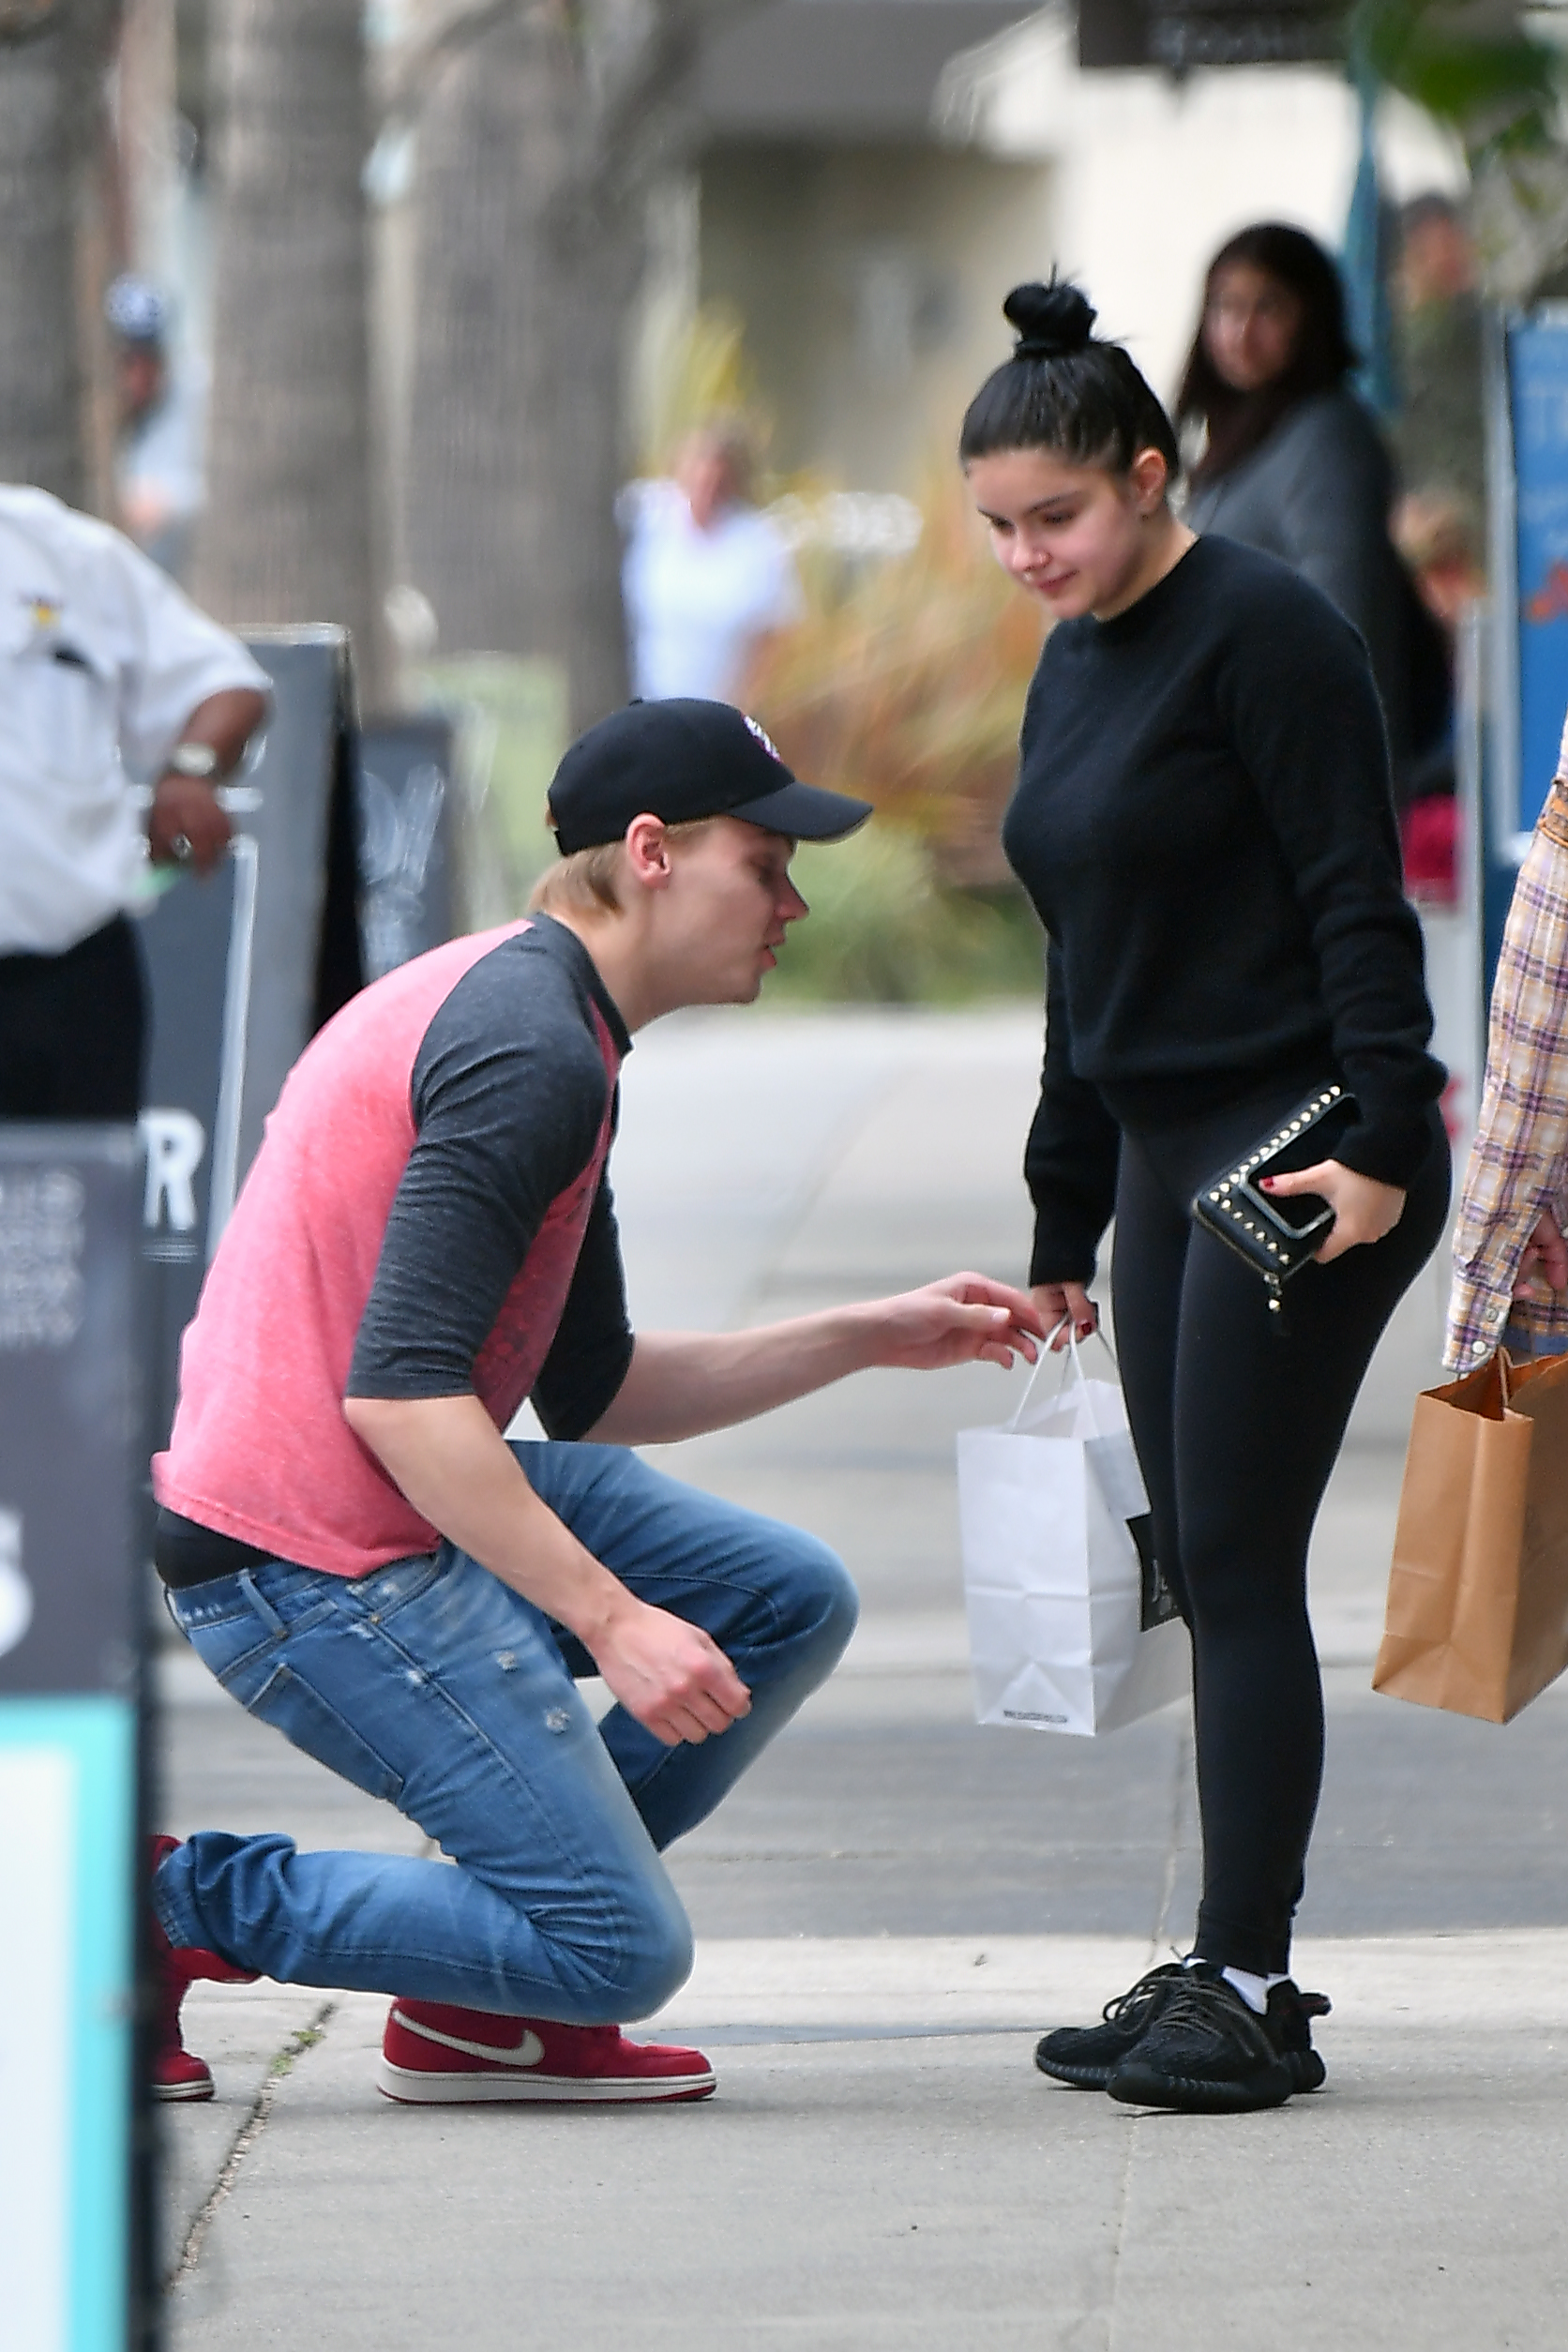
{"x":869,"y":280}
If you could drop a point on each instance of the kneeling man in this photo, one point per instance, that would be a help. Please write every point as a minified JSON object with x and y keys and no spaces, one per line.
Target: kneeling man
{"x":426,"y":1240}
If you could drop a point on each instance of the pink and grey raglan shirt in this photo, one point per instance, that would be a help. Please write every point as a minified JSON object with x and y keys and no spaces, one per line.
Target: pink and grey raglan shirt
{"x":428,"y":1215}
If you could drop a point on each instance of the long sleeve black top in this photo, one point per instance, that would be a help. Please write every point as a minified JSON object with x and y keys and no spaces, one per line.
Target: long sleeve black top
{"x":1204,"y":822}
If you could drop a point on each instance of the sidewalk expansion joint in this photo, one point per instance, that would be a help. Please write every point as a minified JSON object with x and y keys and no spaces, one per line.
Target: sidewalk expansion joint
{"x":244,"y":2139}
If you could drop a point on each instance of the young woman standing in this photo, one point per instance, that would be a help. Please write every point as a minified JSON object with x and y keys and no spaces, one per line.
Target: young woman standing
{"x":1204,"y":823}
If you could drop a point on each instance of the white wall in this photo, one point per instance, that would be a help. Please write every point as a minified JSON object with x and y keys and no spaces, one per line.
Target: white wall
{"x":1149,"y":176}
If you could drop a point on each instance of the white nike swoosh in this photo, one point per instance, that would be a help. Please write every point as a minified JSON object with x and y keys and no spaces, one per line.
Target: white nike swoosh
{"x":528,"y":2051}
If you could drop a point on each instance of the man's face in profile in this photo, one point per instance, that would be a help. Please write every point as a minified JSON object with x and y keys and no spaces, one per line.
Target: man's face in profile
{"x":725,"y":913}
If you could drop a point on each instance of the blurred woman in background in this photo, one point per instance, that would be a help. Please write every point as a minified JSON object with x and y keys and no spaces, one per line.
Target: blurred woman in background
{"x":1292,"y":462}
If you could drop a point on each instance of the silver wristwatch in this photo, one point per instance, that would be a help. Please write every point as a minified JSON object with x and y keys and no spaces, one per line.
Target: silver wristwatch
{"x":192,"y":759}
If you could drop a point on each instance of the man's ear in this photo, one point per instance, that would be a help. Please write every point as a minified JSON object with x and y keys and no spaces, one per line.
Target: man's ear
{"x":647,"y":848}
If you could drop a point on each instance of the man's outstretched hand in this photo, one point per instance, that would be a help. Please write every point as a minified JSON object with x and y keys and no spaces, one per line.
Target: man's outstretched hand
{"x":963,"y":1318}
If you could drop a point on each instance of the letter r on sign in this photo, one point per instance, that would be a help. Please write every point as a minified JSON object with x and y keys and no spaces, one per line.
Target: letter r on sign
{"x":174,"y":1141}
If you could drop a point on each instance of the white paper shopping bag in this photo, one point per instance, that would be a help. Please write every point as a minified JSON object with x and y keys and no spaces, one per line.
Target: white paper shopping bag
{"x":1071,"y":1627}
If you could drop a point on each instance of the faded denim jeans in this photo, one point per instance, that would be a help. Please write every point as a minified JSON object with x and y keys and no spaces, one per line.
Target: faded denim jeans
{"x":434,"y":1685}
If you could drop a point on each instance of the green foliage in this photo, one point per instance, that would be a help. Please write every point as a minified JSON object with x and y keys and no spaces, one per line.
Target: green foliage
{"x":884,"y":931}
{"x":1472,"y":66}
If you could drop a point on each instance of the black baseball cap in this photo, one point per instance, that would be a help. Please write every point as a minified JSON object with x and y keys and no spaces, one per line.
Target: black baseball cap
{"x":682,"y":761}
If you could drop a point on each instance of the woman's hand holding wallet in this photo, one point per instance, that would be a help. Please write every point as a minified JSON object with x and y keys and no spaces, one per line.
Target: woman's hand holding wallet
{"x":1364,"y":1210}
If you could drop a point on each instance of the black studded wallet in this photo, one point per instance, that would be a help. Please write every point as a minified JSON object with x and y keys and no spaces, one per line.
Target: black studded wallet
{"x":1277,"y":1238}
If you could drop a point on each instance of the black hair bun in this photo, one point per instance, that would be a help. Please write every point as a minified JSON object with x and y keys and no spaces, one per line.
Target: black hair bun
{"x":1051,"y":320}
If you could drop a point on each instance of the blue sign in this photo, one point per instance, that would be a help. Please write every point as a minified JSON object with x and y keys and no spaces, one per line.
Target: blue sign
{"x":70,"y":1200}
{"x":1538,"y":415}
{"x":68,"y":1780}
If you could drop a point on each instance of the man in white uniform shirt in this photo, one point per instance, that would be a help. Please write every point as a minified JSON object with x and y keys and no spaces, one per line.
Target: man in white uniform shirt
{"x":707,"y":576}
{"x":110,"y":679}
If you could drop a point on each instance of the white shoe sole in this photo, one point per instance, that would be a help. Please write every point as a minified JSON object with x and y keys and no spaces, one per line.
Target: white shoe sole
{"x":182,"y":2094}
{"x":412,"y":2088}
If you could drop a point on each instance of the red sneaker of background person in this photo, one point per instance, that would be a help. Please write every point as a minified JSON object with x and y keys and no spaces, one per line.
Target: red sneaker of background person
{"x":177,"y":2072}
{"x":436,"y":2055}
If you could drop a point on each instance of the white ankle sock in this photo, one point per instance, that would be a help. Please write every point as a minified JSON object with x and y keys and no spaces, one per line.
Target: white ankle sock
{"x":1254,"y":1990}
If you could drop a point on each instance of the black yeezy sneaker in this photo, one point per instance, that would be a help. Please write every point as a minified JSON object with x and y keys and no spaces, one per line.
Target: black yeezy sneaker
{"x":1290,"y":2029}
{"x":1207,"y":2053}
{"x":1088,"y":2055}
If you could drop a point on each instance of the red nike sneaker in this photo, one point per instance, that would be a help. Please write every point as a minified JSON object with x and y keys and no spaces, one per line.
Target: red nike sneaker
{"x":177,"y":2072}
{"x":435,"y":2055}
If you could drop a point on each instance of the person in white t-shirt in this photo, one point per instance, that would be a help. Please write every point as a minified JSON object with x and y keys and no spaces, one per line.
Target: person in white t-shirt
{"x":110,"y":679}
{"x":707,"y":576}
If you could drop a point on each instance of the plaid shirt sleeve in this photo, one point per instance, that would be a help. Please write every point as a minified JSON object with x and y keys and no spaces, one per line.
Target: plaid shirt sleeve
{"x":1518,"y":1163}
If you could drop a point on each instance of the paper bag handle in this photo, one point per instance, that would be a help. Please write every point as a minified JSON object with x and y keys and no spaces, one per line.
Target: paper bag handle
{"x":1073,"y":1363}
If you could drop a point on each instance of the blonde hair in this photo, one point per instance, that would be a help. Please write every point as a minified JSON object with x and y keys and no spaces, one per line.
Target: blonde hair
{"x":585,"y":882}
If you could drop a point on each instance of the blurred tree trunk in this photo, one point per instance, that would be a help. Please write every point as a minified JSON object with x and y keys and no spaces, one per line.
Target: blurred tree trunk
{"x":289,"y":533}
{"x":540,"y":133}
{"x":147,"y":81}
{"x":51,"y":59}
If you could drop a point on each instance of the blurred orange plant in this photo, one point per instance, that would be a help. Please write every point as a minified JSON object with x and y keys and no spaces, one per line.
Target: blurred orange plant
{"x":905,"y":683}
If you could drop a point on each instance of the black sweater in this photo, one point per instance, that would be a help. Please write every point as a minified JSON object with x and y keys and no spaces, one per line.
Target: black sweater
{"x":1204,"y":821}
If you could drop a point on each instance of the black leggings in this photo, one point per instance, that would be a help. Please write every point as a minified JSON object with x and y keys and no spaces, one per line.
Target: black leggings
{"x":1237,"y":1425}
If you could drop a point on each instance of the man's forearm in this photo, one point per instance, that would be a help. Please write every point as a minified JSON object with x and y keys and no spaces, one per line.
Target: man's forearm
{"x":681,"y":1383}
{"x":447,"y":1457}
{"x":226,"y":720}
{"x":187,"y":821}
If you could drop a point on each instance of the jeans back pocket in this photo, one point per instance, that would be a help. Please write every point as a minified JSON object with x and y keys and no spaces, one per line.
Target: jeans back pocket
{"x":309,"y":1722}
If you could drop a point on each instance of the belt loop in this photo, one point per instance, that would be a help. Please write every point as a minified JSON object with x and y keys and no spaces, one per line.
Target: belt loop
{"x":259,"y":1603}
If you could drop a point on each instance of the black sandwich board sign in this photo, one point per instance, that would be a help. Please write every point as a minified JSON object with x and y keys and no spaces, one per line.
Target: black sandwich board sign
{"x":71,"y":1201}
{"x":405,"y":835}
{"x":341,"y":868}
{"x":243,"y":969}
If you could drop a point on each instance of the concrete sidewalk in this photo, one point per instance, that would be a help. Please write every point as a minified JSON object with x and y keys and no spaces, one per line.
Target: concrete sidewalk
{"x":895,"y":1902}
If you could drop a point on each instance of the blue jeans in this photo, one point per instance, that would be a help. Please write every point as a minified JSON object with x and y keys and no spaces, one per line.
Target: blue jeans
{"x":433,"y":1685}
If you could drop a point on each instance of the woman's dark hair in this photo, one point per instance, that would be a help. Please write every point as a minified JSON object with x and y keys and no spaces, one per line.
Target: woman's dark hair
{"x":1237,"y":423}
{"x":1064,"y":389}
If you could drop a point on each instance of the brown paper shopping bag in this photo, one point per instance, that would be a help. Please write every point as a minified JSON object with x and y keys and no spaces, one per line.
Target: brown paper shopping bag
{"x":1477,"y":1616}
